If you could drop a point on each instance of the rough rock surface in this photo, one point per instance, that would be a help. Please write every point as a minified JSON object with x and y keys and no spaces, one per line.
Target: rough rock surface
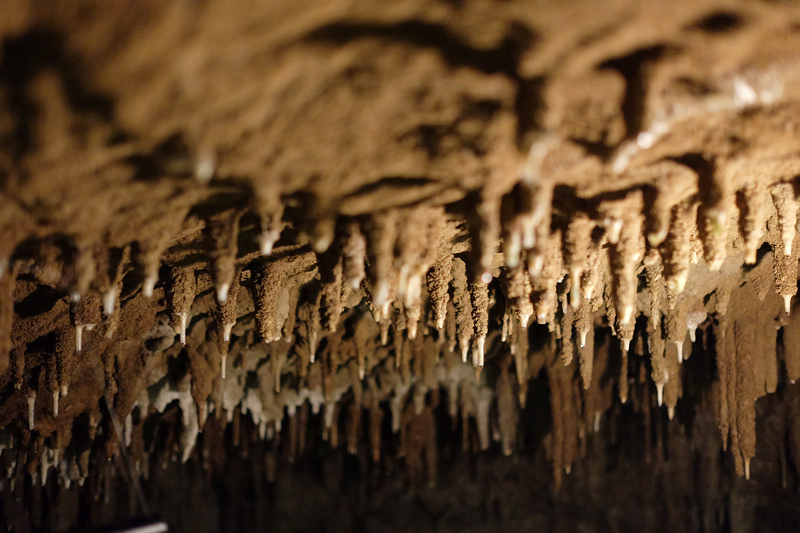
{"x":386,"y":266}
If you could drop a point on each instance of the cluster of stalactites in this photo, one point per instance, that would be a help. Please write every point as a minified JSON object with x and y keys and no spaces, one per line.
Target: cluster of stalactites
{"x":422,"y":278}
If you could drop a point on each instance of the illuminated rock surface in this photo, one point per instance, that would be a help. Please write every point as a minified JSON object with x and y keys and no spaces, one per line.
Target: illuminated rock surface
{"x":364,"y":266}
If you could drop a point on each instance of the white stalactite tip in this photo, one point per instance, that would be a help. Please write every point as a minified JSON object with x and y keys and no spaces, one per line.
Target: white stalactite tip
{"x":512,"y":247}
{"x":693,"y":334}
{"x":440,"y":322}
{"x":750,"y":255}
{"x":583,"y":337}
{"x":149,"y":285}
{"x":75,"y":297}
{"x":625,"y":315}
{"x":677,"y":282}
{"x":64,"y":390}
{"x":464,"y":350}
{"x":679,"y":346}
{"x":597,"y":416}
{"x":323,"y":239}
{"x":385,"y":308}
{"x":525,"y":319}
{"x":222,"y":292}
{"x":267,"y":240}
{"x":223,"y":364}
{"x":747,"y":468}
{"x":55,"y":403}
{"x":536,"y":266}
{"x":660,"y":393}
{"x":204,"y":167}
{"x":481,"y":350}
{"x":614,"y":229}
{"x":588,"y":291}
{"x":362,"y":372}
{"x":78,"y":338}
{"x":671,"y":412}
{"x":226,"y":331}
{"x":109,"y":301}
{"x":787,"y":303}
{"x":384,"y":338}
{"x":184,"y":318}
{"x":657,"y":237}
{"x":787,"y":244}
{"x":412,"y":330}
{"x":626,"y":344}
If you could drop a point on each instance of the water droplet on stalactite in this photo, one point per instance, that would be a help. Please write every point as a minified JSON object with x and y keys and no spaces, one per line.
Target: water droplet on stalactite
{"x":583,"y":337}
{"x":31,"y":409}
{"x":751,"y":219}
{"x":783,"y":197}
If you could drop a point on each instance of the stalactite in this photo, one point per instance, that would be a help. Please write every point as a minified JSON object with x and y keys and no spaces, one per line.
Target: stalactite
{"x":354,"y":252}
{"x":545,"y":268}
{"x":227,"y":311}
{"x":223,"y":233}
{"x":381,"y":236}
{"x":785,"y":200}
{"x":676,"y":249}
{"x":463,"y":307}
{"x":438,"y":279}
{"x":577,"y":245}
{"x":479,"y":297}
{"x":180,"y":297}
{"x":584,"y":327}
{"x":751,"y":220}
{"x":331,"y":279}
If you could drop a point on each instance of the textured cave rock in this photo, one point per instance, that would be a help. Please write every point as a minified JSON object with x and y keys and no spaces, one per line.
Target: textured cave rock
{"x":445,"y":265}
